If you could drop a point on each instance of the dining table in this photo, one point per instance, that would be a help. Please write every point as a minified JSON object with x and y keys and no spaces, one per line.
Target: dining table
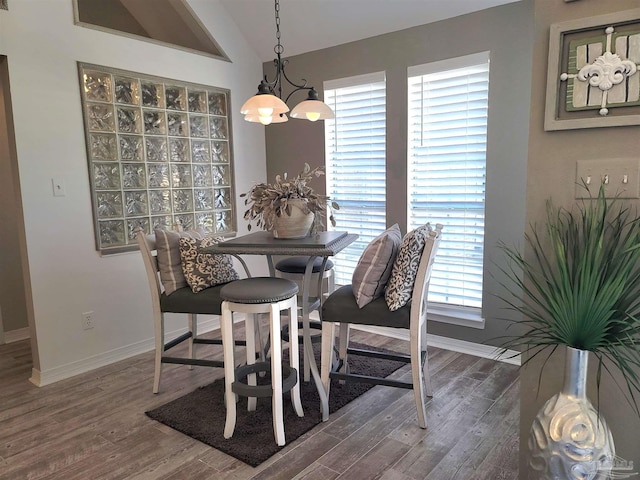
{"x":318,"y":245}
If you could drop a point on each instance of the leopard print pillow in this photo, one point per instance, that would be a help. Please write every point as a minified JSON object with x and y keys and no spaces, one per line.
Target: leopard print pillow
{"x":204,"y":270}
{"x":405,"y":268}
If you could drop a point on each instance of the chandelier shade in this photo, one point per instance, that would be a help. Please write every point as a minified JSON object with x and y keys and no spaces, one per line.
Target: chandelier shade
{"x":267,"y":106}
{"x":264,"y":104}
{"x":312,"y":109}
{"x":266,"y":119}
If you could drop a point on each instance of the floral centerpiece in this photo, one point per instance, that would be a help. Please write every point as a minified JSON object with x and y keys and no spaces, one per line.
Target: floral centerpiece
{"x":269,"y":203}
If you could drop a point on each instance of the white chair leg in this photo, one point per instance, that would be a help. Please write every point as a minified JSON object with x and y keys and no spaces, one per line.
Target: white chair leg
{"x":276,"y":375}
{"x":428,"y":388}
{"x":305,"y":359}
{"x":260,"y":345}
{"x":306,"y":283}
{"x":294,"y":360}
{"x":331,"y":282}
{"x":193,"y":328}
{"x":417,"y":378}
{"x":159,"y":340}
{"x":251,"y":356}
{"x":328,"y":341}
{"x":226,"y":327}
{"x":344,"y":345}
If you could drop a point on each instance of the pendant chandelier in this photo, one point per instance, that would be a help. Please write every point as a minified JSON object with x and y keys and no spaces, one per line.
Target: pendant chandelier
{"x":267,"y":105}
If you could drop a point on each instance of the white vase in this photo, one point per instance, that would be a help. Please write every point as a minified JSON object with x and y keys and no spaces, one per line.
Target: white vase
{"x":296,"y":225}
{"x":569,"y":439}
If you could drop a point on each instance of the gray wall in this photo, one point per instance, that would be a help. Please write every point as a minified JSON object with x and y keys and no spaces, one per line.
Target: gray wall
{"x":12,"y":286}
{"x":551,"y":174}
{"x":66,"y":276}
{"x":521,"y":156}
{"x":506,"y":32}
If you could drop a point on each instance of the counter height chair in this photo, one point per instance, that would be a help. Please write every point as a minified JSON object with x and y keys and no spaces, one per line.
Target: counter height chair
{"x":341,"y":308}
{"x":253,"y":296}
{"x":182,"y":300}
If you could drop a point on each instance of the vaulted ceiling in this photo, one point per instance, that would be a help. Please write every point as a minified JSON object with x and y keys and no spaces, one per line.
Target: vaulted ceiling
{"x":168,"y":21}
{"x":308,"y":25}
{"x":305,"y":25}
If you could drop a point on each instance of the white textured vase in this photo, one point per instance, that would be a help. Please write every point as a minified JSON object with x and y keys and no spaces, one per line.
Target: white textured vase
{"x":569,"y":439}
{"x":296,"y":225}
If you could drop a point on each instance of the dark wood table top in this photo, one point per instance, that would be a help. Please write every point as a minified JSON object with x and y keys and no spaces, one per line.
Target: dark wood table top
{"x":322,"y":244}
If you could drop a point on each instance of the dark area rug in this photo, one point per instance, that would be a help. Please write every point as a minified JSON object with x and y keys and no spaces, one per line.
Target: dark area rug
{"x":201,"y":413}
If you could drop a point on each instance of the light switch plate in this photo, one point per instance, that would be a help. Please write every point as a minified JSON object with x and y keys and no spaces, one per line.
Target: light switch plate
{"x":58,"y":187}
{"x":619,"y":176}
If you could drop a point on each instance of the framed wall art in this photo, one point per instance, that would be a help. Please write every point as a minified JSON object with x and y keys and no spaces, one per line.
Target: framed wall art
{"x":159,"y":153}
{"x":594,"y":72}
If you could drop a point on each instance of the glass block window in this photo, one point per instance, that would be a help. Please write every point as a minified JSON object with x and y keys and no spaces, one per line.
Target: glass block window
{"x":159,"y":154}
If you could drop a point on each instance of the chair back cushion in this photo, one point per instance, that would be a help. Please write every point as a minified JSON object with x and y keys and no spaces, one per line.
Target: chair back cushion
{"x":204,"y":270}
{"x":374,"y":267}
{"x":169,"y":262}
{"x":405,"y":268}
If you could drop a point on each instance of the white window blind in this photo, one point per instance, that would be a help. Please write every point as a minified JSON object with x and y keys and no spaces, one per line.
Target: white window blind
{"x":447,"y":140}
{"x":355,"y":149}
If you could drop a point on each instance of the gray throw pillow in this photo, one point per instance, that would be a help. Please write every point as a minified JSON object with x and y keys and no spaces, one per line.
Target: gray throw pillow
{"x":204,"y":270}
{"x":374,"y":267}
{"x":169,"y":263}
{"x":405,"y":268}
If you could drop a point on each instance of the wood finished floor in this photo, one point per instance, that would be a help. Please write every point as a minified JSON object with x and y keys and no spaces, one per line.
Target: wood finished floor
{"x":93,"y":426}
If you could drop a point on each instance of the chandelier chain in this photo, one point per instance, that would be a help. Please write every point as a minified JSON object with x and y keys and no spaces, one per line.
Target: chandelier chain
{"x":278,"y":49}
{"x":254,"y":108}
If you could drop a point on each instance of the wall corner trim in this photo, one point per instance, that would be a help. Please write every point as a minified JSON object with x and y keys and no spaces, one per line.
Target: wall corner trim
{"x":36,"y":377}
{"x":16,"y":335}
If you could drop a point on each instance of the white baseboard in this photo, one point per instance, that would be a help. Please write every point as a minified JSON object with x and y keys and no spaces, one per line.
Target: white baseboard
{"x":476,"y":349}
{"x":42,"y":378}
{"x":16,"y":335}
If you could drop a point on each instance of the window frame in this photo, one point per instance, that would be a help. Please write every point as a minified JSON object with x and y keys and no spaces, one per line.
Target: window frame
{"x":470,"y":316}
{"x":354,"y":251}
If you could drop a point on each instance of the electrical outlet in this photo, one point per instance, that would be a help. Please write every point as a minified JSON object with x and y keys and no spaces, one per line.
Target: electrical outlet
{"x":87,"y":320}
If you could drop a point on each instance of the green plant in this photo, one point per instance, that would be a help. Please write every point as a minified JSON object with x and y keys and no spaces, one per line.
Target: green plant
{"x":580,"y":286}
{"x":267,"y":201}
